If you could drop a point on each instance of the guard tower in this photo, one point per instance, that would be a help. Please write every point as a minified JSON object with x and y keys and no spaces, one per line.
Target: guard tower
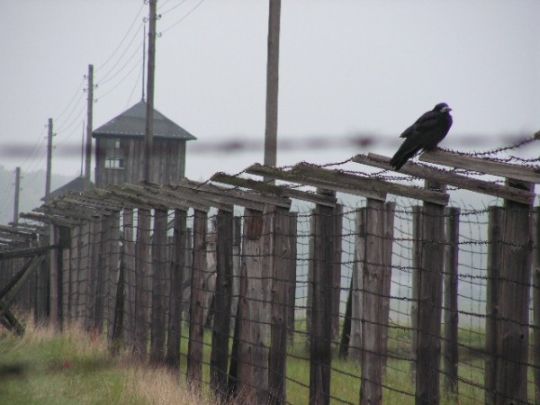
{"x":120,"y":148}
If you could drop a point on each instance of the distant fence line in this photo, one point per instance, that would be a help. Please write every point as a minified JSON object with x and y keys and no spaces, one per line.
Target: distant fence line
{"x":361,"y":299}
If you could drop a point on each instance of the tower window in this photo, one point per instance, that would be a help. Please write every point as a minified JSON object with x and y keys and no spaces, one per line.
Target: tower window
{"x":114,"y":163}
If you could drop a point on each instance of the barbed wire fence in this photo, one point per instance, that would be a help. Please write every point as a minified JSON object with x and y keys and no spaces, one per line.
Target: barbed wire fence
{"x":333,"y":286}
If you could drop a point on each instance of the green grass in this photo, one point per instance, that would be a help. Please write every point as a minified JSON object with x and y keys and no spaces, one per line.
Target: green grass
{"x":53,"y":370}
{"x":345,"y":380}
{"x":73,"y":368}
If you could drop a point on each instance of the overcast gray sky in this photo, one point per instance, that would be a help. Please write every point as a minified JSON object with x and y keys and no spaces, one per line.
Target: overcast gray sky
{"x":346,"y":66}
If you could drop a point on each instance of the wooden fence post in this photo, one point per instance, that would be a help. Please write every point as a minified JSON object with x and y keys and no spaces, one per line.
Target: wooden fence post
{"x":128,"y":262}
{"x":416,"y":260}
{"x":346,"y":331}
{"x":222,"y":303}
{"x":94,"y":267}
{"x":74,"y":291}
{"x":41,"y":309}
{"x":142,"y":296}
{"x":232,"y":382}
{"x":430,"y":303}
{"x":254,"y":331}
{"x":84,"y":272}
{"x":178,"y":265}
{"x":451,"y":265}
{"x":196,"y":313}
{"x":336,"y":273}
{"x":513,"y":319}
{"x":374,"y":279}
{"x":112,"y":279}
{"x":159,"y":283}
{"x":321,"y":314}
{"x":311,"y":261}
{"x":357,"y":290}
{"x":293,"y":233}
{"x":54,"y":260}
{"x":388,"y":242}
{"x":237,"y":243}
{"x":536,"y":308}
{"x":67,"y":274}
{"x":186,"y":293}
{"x":280,"y":290}
{"x":100,"y":251}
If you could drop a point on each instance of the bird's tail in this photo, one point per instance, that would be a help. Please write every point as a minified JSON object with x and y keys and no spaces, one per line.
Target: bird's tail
{"x":404,"y":153}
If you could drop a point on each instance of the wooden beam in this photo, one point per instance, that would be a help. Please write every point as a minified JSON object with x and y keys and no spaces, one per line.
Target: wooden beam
{"x":106,"y":194}
{"x":48,"y":219}
{"x":280,"y":174}
{"x":221,"y":198}
{"x":281,"y":191}
{"x":452,"y":179}
{"x":66,"y":212}
{"x":17,"y":231}
{"x":151,"y":195}
{"x":188,"y":201}
{"x":243,"y":197}
{"x":195,"y":201}
{"x":375,"y":185}
{"x":85,"y":203}
{"x":518,"y":172}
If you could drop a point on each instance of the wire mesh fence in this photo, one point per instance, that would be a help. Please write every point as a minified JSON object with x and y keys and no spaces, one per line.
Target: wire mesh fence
{"x":363,"y":301}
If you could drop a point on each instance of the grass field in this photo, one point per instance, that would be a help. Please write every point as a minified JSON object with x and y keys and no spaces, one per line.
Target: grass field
{"x":75,"y":368}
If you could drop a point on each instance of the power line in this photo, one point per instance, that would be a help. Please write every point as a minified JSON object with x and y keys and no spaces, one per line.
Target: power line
{"x":111,"y":73}
{"x":71,"y":101}
{"x":191,"y":11}
{"x":172,"y":8}
{"x":128,"y":74}
{"x":109,"y":58}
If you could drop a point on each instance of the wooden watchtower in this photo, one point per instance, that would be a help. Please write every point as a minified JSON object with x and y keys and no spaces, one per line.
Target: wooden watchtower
{"x":120,"y":148}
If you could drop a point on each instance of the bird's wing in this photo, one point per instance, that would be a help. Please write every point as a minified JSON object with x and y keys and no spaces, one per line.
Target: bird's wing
{"x":425,"y":122}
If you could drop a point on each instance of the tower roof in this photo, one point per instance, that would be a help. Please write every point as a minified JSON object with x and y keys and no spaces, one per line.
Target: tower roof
{"x":132,"y":122}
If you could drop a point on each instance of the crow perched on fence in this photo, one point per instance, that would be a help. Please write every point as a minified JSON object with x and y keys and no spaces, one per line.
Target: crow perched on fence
{"x":424,"y":134}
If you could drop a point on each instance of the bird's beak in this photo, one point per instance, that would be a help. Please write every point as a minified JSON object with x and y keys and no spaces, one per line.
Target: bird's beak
{"x":446,"y":109}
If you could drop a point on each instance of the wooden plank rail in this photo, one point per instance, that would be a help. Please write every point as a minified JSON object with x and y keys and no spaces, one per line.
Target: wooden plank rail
{"x":487,"y":166}
{"x":264,"y":187}
{"x":9,"y":254}
{"x":373,"y":185}
{"x":452,"y":179}
{"x":293,"y":177}
{"x":229,"y":196}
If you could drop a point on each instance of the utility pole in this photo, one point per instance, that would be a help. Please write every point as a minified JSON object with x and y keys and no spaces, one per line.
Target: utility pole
{"x":49,"y":159}
{"x":143,"y":61}
{"x":149,"y":128}
{"x":89,"y":118}
{"x":272,"y":82}
{"x":16,"y":200}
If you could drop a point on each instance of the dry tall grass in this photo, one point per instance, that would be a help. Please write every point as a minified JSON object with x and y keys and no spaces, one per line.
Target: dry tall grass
{"x":143,"y":384}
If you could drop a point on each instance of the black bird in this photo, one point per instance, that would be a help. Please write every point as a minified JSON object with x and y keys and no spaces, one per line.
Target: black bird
{"x":424,"y":134}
